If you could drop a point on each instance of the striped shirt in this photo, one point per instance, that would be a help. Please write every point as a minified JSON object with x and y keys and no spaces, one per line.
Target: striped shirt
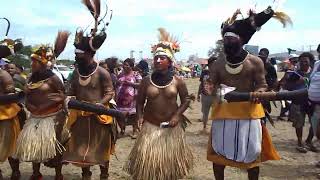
{"x":314,"y":87}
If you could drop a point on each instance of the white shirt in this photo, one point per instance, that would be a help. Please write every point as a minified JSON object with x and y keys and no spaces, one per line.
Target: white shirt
{"x":56,"y":72}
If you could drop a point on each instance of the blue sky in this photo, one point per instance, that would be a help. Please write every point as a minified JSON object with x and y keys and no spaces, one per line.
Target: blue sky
{"x":135,"y":22}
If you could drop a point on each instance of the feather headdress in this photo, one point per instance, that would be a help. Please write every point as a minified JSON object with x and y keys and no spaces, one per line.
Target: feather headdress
{"x":283,"y":18}
{"x":91,"y":43}
{"x":168,"y":45}
{"x":47,"y":54}
{"x":61,"y":42}
{"x":245,"y":28}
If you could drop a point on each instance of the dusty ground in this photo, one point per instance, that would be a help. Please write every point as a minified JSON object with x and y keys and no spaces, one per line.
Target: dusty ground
{"x":293,"y":165}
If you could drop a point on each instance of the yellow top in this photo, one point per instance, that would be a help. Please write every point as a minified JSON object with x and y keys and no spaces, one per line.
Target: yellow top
{"x":9,"y":111}
{"x":237,"y":110}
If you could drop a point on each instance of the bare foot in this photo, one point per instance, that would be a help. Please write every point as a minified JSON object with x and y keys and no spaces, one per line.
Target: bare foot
{"x":36,"y":177}
{"x":59,"y":177}
{"x":15,"y":175}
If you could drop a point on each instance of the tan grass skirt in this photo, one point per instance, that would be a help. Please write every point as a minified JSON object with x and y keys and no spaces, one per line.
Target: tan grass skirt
{"x":160,"y":154}
{"x":38,"y":141}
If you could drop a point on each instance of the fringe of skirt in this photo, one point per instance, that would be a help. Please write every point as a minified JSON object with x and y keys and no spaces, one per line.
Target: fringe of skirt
{"x":37,"y":141}
{"x":160,"y":153}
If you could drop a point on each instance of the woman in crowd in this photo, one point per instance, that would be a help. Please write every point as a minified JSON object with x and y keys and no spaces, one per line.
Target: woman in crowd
{"x":127,"y":84}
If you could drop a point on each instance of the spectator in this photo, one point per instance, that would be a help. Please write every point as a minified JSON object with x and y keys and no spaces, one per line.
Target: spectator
{"x":271,"y":73}
{"x":206,"y":99}
{"x":127,"y":84}
{"x":19,"y":81}
{"x":314,"y":97}
{"x":111,"y":64}
{"x":296,"y":80}
{"x":143,"y":68}
{"x":285,"y":105}
{"x":104,"y":65}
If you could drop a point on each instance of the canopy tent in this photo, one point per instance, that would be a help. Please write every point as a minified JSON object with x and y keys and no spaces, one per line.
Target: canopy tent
{"x":183,"y":68}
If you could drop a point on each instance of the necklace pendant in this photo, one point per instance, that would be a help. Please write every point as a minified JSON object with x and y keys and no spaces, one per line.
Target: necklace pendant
{"x":236,"y":70}
{"x":84,"y":82}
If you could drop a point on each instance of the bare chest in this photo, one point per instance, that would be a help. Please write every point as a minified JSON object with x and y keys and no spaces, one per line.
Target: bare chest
{"x":242,"y":80}
{"x":87,"y":83}
{"x":169,"y":92}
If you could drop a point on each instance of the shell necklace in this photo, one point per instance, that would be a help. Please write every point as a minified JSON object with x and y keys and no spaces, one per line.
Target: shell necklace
{"x":85,"y":80}
{"x":161,"y":87}
{"x":237,"y":69}
{"x":36,"y":85}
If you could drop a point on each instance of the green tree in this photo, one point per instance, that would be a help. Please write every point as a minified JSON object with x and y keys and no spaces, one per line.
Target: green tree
{"x":217,"y":51}
{"x":22,"y":57}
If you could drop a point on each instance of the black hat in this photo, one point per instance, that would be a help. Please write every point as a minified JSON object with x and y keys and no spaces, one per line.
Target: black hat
{"x":245,"y":28}
{"x":89,"y":43}
{"x":93,"y":41}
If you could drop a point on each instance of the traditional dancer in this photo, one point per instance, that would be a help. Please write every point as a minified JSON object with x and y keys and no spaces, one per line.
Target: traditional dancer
{"x":42,"y":137}
{"x":160,"y":151}
{"x":9,"y":119}
{"x":237,"y":137}
{"x":92,"y":136}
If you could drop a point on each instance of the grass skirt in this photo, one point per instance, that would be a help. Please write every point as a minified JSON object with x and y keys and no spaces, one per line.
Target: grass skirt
{"x":38,"y":141}
{"x":160,"y":153}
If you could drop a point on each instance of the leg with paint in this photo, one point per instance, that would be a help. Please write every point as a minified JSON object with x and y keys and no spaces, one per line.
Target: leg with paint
{"x":253,"y":173}
{"x":36,"y":175}
{"x":14,"y":164}
{"x":218,"y":171}
{"x":104,"y":171}
{"x":86,"y":173}
{"x":59,"y":175}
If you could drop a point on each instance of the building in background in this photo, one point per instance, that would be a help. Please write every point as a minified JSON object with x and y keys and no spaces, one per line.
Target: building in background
{"x":252,"y":49}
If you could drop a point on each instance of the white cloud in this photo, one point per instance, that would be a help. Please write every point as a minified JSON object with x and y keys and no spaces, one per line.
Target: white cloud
{"x":219,"y":11}
{"x":279,"y":41}
{"x":138,"y":8}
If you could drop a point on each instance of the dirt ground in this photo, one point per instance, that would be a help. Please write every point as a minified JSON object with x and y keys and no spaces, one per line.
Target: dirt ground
{"x":293,"y":165}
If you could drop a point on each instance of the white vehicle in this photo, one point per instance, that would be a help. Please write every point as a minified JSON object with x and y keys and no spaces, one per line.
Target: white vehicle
{"x":63,"y":70}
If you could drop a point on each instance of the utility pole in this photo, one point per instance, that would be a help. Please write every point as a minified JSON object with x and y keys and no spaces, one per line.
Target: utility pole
{"x":131,"y":54}
{"x":310,"y":47}
{"x":140,"y":52}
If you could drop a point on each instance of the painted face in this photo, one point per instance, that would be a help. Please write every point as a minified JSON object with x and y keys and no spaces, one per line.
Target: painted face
{"x":36,"y":66}
{"x":80,"y":57}
{"x":161,"y":62}
{"x":232,"y":45}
